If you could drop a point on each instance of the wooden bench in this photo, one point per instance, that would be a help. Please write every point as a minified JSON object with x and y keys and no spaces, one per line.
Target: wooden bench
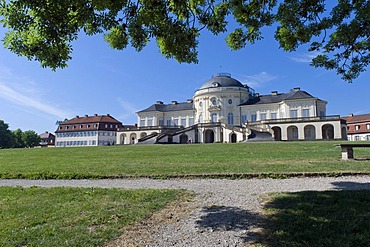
{"x":347,"y":149}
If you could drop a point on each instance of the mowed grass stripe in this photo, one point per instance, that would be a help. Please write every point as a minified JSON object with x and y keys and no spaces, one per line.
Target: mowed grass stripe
{"x":172,"y":160}
{"x":74,"y":216}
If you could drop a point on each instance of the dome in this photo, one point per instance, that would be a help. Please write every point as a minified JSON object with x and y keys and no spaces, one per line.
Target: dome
{"x":222,"y":80}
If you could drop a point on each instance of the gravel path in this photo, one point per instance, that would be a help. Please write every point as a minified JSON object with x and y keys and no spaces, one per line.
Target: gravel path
{"x":223,"y":213}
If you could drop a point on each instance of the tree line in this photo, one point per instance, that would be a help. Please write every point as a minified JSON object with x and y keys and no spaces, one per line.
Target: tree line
{"x":17,"y":138}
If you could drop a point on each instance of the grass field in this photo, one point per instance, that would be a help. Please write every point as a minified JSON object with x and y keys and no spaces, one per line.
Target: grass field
{"x":74,"y":216}
{"x":168,"y":160}
{"x":92,"y":217}
{"x":315,"y":218}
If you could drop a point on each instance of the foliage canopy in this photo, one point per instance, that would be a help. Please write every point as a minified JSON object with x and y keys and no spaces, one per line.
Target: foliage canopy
{"x":17,"y":138}
{"x":43,"y":30}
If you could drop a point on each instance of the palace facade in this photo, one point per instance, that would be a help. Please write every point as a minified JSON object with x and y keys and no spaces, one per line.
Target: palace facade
{"x":225,"y":110}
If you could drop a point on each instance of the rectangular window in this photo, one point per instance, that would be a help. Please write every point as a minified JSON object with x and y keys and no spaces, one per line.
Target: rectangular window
{"x":150,"y":121}
{"x":263,"y":116}
{"x":230,"y":118}
{"x":214,"y":117}
{"x":176,"y":122}
{"x":368,"y":137}
{"x":357,"y":138}
{"x":293,"y":114}
{"x":322,"y":114}
{"x":273,"y":115}
{"x":254,"y":117}
{"x":161,"y":122}
{"x":357,"y":127}
{"x":168,"y":123}
{"x":142,"y":122}
{"x":305,"y":112}
{"x":183,"y":122}
{"x":368,"y":126}
{"x":244,"y":119}
{"x":191,"y":121}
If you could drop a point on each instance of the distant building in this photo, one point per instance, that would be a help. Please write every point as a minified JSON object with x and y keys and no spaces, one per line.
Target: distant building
{"x":47,"y":139}
{"x":358,"y":127}
{"x":225,"y":110}
{"x":87,"y":131}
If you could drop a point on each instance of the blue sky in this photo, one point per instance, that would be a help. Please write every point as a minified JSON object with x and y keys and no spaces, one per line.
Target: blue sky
{"x":101,"y":80}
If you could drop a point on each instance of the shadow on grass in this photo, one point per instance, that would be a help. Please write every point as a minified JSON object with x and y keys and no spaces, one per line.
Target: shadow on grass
{"x":222,"y":218}
{"x":312,"y":218}
{"x":351,"y":186}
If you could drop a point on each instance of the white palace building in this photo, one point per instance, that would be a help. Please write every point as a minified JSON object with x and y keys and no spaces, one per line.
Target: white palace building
{"x":225,"y":110}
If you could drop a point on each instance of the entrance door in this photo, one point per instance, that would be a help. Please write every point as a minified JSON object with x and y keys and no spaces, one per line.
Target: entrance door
{"x":209,"y":136}
{"x":183,"y":139}
{"x":233,"y":138}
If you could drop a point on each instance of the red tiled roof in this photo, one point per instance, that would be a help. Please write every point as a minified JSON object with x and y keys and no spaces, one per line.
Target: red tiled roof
{"x":357,"y":119}
{"x":87,"y":123}
{"x":92,"y":119}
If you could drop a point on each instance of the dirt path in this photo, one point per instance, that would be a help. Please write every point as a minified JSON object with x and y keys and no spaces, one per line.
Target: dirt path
{"x":223,"y":212}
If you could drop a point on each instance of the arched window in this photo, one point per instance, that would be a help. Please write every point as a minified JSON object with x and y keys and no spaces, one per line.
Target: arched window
{"x":200,"y":119}
{"x":214,"y":117}
{"x":230,"y":118}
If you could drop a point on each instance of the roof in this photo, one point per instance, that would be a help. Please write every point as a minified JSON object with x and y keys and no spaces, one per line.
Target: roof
{"x":183,"y":106}
{"x":46,"y":135}
{"x":87,"y":123}
{"x":92,"y":119}
{"x":222,"y":80}
{"x":356,"y":119}
{"x":293,"y":94}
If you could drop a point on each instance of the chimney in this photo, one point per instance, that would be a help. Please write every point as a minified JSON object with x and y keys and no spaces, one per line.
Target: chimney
{"x":95,"y":115}
{"x":108,"y":115}
{"x":174,"y":102}
{"x":159,"y":102}
{"x":86,"y":115}
{"x":77,"y":116}
{"x":274,"y":92}
{"x":350,"y":115}
{"x":189,"y":101}
{"x":296,"y":89}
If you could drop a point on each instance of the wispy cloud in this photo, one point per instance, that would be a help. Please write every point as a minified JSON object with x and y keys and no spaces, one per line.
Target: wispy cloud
{"x":29,"y":101}
{"x":259,"y":79}
{"x":360,"y":112}
{"x":305,"y":57}
{"x":128,"y":111}
{"x":24,"y":93}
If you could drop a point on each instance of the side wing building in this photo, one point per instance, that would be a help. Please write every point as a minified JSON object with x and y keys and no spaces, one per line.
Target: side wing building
{"x":97,"y":130}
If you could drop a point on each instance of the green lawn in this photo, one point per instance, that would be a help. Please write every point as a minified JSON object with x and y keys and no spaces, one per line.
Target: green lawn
{"x":74,"y":216}
{"x":164,"y":160}
{"x":312,"y":218}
